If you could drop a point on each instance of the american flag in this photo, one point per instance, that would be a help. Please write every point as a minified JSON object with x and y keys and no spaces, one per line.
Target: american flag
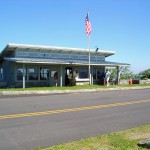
{"x":88,"y":25}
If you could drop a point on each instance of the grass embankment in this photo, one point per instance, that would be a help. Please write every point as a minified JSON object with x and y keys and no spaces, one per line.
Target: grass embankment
{"x":123,"y":140}
{"x":73,"y":87}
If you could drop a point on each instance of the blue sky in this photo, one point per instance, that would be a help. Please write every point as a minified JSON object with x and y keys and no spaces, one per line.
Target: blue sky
{"x":122,"y":26}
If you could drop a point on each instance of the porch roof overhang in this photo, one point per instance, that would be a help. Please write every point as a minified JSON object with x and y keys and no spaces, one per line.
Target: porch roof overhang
{"x":64,"y":62}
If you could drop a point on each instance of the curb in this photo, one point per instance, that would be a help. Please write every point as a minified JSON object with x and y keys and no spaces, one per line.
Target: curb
{"x":41,"y":92}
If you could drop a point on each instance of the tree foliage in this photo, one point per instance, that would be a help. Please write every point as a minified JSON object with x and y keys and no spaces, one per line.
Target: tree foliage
{"x":145,"y":74}
{"x":124,"y":71}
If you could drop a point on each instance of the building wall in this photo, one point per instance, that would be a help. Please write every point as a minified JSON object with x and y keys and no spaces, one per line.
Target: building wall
{"x":14,"y":81}
{"x":8,"y":71}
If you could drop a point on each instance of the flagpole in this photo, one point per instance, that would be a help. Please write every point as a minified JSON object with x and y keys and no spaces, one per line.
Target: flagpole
{"x":89,"y":60}
{"x":88,"y":31}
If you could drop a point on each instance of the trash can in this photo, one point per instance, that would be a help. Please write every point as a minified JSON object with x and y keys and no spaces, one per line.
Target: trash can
{"x":130,"y":81}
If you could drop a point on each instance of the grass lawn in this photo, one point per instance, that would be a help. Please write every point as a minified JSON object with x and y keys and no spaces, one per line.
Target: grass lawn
{"x":72,"y":87}
{"x":123,"y":140}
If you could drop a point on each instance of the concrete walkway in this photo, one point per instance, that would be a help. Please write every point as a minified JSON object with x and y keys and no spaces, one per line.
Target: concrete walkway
{"x":35,"y":92}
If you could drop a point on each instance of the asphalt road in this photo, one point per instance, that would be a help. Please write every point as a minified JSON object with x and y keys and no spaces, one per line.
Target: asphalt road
{"x":28,"y":122}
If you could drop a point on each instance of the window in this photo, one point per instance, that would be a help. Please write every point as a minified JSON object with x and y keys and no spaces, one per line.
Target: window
{"x":93,"y":58}
{"x":33,"y":54}
{"x":1,"y":73}
{"x":55,"y":55}
{"x":33,"y":73}
{"x":20,"y":73}
{"x":100,"y":58}
{"x":21,"y":54}
{"x":44,"y":55}
{"x":65,"y":56}
{"x":84,"y":57}
{"x":44,"y":73}
{"x":83,"y":73}
{"x":74,"y":56}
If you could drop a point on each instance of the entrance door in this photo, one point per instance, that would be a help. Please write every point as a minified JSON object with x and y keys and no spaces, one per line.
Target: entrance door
{"x":68,"y":70}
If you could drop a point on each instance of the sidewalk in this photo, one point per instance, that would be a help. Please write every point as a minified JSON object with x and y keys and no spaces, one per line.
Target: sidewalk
{"x":40,"y":92}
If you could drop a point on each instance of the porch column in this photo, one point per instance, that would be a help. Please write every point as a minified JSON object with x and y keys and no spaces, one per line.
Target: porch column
{"x":92,"y":76}
{"x":61,"y":75}
{"x":118,"y":75}
{"x":23,"y":76}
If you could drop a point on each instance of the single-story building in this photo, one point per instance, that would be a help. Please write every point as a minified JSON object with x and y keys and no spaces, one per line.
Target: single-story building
{"x":24,"y":65}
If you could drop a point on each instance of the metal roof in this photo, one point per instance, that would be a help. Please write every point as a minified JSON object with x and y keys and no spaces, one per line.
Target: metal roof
{"x":13,"y":47}
{"x":65,"y":61}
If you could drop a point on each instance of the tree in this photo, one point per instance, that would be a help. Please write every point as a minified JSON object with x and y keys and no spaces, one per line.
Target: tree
{"x":113,"y":72}
{"x":125,"y":72}
{"x":145,"y":74}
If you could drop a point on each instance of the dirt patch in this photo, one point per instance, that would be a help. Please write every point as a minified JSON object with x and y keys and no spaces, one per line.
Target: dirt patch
{"x":136,"y":136}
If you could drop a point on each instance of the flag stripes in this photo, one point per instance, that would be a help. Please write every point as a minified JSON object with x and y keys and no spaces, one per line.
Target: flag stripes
{"x":88,"y":25}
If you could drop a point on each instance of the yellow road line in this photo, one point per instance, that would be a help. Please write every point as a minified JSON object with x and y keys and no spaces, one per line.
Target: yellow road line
{"x":72,"y":109}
